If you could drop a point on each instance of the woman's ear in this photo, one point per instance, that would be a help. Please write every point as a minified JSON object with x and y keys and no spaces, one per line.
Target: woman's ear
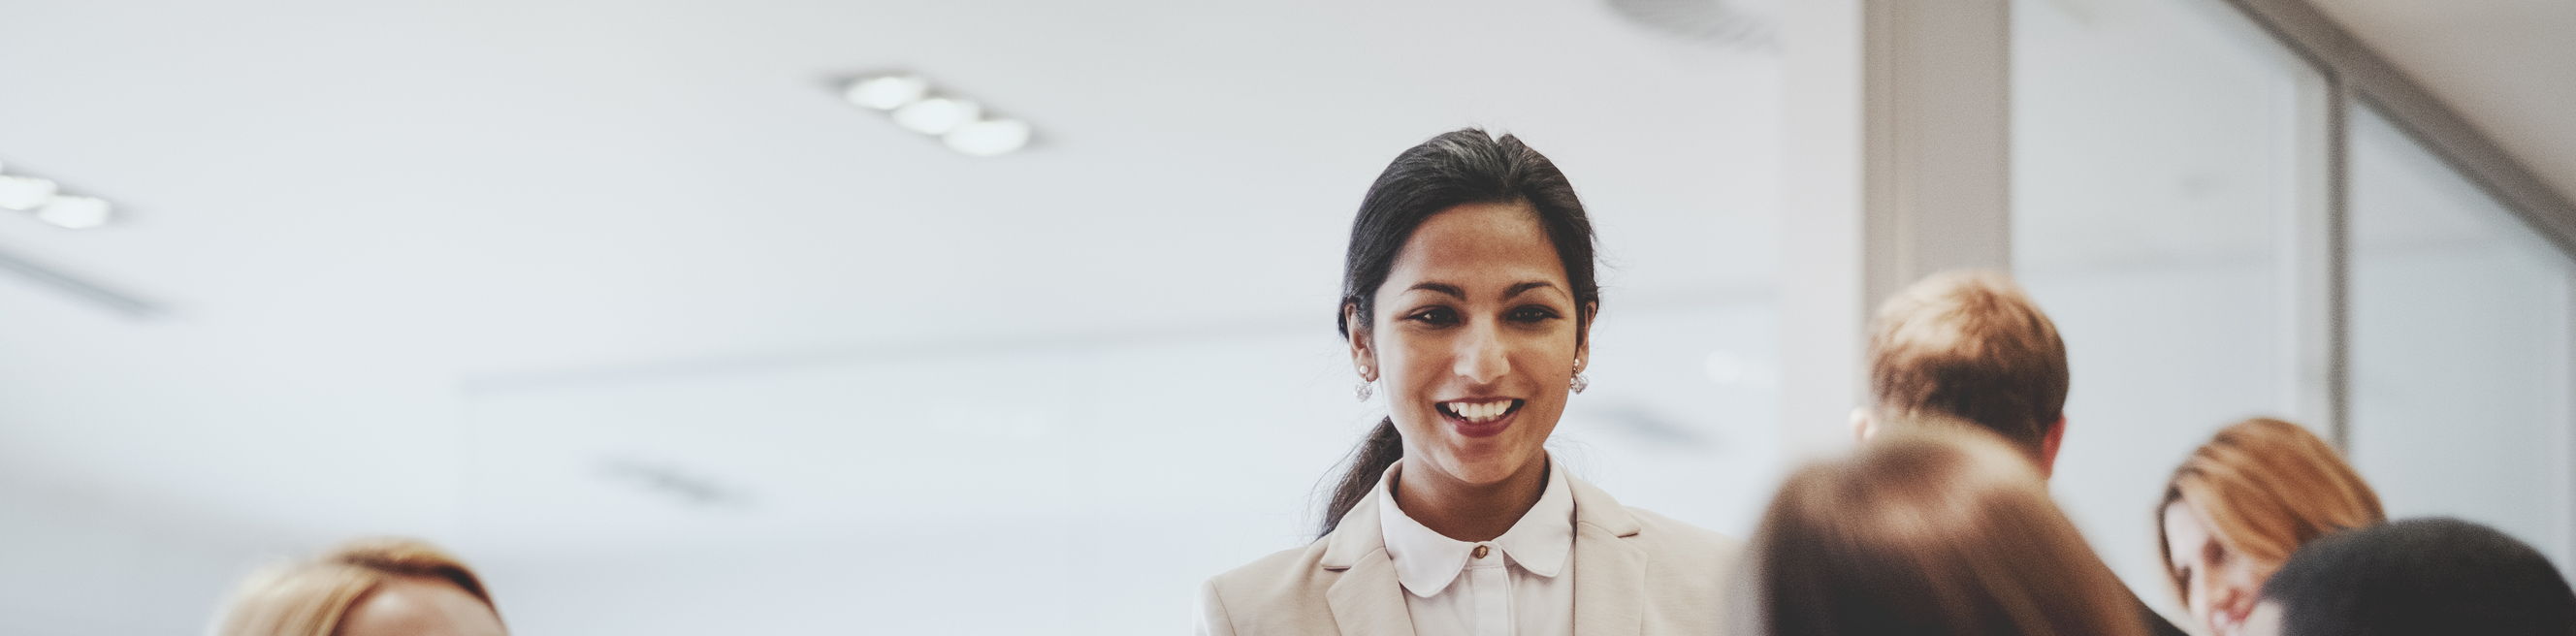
{"x":1583,"y":334}
{"x":1363,"y":353}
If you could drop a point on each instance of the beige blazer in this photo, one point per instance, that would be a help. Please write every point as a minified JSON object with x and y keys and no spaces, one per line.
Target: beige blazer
{"x":1635,"y":572}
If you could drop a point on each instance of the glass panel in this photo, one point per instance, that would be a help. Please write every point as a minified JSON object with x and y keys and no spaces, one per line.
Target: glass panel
{"x":2155,"y":156}
{"x":2460,"y":353}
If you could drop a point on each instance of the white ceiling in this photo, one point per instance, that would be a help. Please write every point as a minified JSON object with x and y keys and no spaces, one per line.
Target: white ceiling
{"x":352,"y":211}
{"x":2508,"y":66}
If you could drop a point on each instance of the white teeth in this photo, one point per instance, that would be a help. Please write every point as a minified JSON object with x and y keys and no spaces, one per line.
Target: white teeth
{"x":1480,"y":412}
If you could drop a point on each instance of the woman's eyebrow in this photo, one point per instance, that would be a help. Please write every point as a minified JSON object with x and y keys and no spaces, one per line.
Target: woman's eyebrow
{"x":1443,"y":288}
{"x":1517,"y":288}
{"x":1455,"y":292}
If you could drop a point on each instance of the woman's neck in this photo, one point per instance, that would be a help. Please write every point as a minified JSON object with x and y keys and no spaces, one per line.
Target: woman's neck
{"x":1466,"y":511}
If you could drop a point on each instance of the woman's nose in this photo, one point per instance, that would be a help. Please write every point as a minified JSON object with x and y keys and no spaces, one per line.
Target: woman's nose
{"x":1480,"y":355}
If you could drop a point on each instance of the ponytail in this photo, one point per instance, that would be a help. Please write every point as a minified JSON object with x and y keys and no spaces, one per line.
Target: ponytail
{"x":1371,"y":459}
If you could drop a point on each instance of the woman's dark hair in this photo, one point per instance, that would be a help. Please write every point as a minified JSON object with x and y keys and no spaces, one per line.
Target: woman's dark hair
{"x":2421,"y":576}
{"x":1462,"y":167}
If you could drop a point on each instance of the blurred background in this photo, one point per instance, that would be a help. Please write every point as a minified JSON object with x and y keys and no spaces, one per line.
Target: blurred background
{"x":632,"y":307}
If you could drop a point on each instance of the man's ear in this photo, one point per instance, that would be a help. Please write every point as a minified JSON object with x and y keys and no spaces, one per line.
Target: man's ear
{"x":1363,"y":351}
{"x":2048,"y":446}
{"x":1864,"y":424}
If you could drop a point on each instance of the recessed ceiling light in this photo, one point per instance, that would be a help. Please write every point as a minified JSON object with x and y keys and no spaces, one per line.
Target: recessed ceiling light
{"x":23,"y":193}
{"x":960,"y":123}
{"x":887,"y":92}
{"x":29,"y":193}
{"x":75,"y":212}
{"x":988,"y":138}
{"x":937,"y":115}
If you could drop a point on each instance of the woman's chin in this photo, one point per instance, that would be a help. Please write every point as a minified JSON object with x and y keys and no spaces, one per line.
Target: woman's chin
{"x":2227,"y":624}
{"x":1487,"y":466}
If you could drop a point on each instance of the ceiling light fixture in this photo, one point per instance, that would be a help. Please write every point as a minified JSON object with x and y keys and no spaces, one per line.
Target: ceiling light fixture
{"x":75,"y":212}
{"x":958,"y":122}
{"x":887,"y":92}
{"x":989,"y":137}
{"x":937,"y":115}
{"x":26,"y":193}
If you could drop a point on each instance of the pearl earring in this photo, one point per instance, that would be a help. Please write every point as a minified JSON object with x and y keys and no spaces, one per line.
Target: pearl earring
{"x":1364,"y":388}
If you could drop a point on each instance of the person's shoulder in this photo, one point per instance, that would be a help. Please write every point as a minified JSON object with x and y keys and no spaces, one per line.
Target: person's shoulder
{"x":1688,"y":570}
{"x":1270,"y":594}
{"x":2155,"y":621}
{"x":1674,"y":536}
{"x":1285,"y":575}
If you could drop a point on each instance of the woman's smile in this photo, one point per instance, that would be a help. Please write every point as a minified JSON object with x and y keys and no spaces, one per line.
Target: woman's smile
{"x":1483,"y":417}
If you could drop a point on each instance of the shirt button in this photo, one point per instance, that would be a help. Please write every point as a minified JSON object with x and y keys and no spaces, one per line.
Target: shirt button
{"x":1481,"y":549}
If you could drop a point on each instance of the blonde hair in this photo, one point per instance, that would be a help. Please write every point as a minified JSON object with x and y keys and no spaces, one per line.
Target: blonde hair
{"x":2266,"y":487}
{"x":310,"y":598}
{"x":1931,"y":529}
{"x":1970,"y":344}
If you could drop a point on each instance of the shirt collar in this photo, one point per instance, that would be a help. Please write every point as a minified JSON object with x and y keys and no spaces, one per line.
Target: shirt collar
{"x":1426,"y":562}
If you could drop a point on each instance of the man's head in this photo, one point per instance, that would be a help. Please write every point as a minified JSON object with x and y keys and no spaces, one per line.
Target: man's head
{"x":1970,"y":345}
{"x":2416,"y":577}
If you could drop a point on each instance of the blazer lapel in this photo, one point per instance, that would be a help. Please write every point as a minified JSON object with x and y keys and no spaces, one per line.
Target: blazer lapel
{"x":1609,"y":574}
{"x":1366,"y":599}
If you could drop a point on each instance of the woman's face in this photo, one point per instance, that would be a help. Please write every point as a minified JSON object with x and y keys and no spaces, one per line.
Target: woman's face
{"x":2220,"y":585}
{"x":1475,"y":337}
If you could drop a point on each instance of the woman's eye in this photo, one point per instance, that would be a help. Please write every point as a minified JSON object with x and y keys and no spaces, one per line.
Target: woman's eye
{"x":1531,"y":314}
{"x":1434,"y":315}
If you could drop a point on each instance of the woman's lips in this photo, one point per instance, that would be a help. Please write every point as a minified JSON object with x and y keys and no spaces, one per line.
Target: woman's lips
{"x":1479,"y":418}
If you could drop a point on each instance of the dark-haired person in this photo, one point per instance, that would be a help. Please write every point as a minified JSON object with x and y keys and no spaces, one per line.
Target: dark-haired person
{"x":1968,"y":345}
{"x":1467,"y":294}
{"x":1930,"y":530}
{"x":2416,"y":577}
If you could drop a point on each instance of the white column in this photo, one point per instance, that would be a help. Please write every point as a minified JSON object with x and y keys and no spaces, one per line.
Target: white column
{"x":1898,"y":166}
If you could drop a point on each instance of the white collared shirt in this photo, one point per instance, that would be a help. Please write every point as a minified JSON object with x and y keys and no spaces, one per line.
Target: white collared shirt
{"x":1523,"y":585}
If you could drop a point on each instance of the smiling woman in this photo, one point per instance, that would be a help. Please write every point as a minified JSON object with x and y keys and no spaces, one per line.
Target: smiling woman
{"x":1469,"y":293}
{"x":2242,"y":504}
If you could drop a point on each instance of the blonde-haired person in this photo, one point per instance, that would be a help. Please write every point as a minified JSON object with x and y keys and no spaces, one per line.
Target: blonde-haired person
{"x":367,"y":587}
{"x":1970,"y":346}
{"x":2237,"y":509}
{"x":1929,"y":531}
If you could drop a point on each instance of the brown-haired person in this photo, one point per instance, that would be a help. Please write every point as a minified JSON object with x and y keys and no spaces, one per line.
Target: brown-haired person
{"x":1971,"y":346}
{"x":2242,"y":504}
{"x":1926,"y":531}
{"x":367,"y":587}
